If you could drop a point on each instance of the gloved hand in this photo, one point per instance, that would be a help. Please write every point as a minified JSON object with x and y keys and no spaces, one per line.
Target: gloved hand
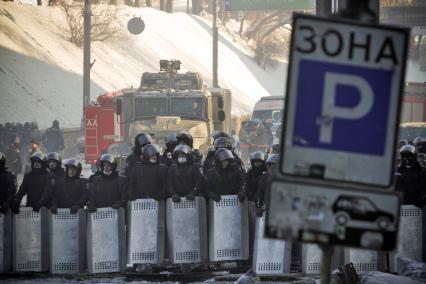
{"x":242,"y":196}
{"x":116,"y":205}
{"x":74,"y":209}
{"x":175,"y":197}
{"x":36,"y":207}
{"x":190,"y":196}
{"x":259,"y":211}
{"x":214,"y":196}
{"x":4,"y":207}
{"x":91,"y":208}
{"x":53,"y":209}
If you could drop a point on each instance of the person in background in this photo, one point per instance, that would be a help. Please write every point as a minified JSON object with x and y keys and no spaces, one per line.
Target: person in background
{"x":7,"y":186}
{"x":54,"y":138}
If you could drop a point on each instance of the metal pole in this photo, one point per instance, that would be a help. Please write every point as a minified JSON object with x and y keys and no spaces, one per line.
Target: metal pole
{"x":327,"y":254}
{"x":86,"y":53}
{"x":215,"y":45}
{"x":323,"y":8}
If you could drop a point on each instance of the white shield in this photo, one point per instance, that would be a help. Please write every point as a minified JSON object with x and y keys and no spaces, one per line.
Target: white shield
{"x":187,"y":230}
{"x":145,"y":231}
{"x":30,"y":240}
{"x":228,"y":229}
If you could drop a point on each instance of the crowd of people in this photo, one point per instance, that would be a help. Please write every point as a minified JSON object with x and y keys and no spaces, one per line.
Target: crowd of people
{"x":19,"y":141}
{"x":180,"y":171}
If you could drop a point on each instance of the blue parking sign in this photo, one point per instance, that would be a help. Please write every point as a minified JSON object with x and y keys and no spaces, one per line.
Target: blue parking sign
{"x":366,"y":134}
{"x":343,"y":100}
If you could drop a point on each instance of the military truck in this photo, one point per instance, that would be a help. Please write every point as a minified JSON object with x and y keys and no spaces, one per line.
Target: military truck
{"x":166,"y":102}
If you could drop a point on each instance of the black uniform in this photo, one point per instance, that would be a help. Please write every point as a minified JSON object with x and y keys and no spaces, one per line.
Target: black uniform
{"x":252,"y":177}
{"x":54,"y":138}
{"x":227,"y":181}
{"x":37,"y":185}
{"x":148,"y":181}
{"x":106,"y":191}
{"x":411,"y":182}
{"x":7,"y":189}
{"x":184,"y":179}
{"x":70,"y":192}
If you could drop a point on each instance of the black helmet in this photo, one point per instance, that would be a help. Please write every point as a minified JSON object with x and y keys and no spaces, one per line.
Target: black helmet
{"x":223,"y":154}
{"x":198,"y":155}
{"x":421,"y":147}
{"x":73,"y":163}
{"x":55,"y":123}
{"x":37,"y":156}
{"x":219,"y":134}
{"x":108,"y":158}
{"x":53,"y":156}
{"x":182,"y":149}
{"x":407,"y":150}
{"x":2,"y":161}
{"x":417,"y":141}
{"x":257,"y":156}
{"x":272,"y":159}
{"x":171,"y":141}
{"x":185,"y":138}
{"x":143,"y":139}
{"x":223,"y":142}
{"x":402,"y":143}
{"x":150,"y":150}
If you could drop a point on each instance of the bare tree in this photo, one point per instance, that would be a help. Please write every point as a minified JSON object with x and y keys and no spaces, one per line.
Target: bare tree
{"x":104,"y":22}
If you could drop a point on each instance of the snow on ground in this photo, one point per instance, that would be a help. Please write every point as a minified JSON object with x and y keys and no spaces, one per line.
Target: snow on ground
{"x":41,"y":71}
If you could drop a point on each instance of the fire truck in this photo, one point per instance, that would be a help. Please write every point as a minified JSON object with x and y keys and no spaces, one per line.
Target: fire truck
{"x":166,"y":102}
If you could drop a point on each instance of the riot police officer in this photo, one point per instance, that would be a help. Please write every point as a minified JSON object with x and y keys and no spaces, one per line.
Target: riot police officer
{"x":219,"y":143}
{"x":271,"y":163}
{"x":148,"y":179}
{"x":225,"y":178}
{"x":70,"y":191}
{"x":141,"y":140}
{"x":106,"y":189}
{"x":258,"y":167}
{"x":410,"y":177}
{"x":54,"y":164}
{"x":37,"y":185}
{"x":171,"y":143}
{"x":184,"y":138}
{"x":7,"y":185}
{"x":184,"y":177}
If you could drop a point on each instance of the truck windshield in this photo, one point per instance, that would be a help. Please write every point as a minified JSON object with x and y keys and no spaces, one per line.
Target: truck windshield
{"x":192,"y":107}
{"x":150,"y":107}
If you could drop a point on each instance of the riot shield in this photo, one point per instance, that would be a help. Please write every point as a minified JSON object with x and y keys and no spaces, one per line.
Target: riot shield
{"x":106,"y":244}
{"x":5,"y":241}
{"x":228,"y":229}
{"x":270,"y":256}
{"x":187,"y":230}
{"x":145,"y":231}
{"x":67,"y":235}
{"x":30,"y":248}
{"x":363,"y":260}
{"x":409,"y":236}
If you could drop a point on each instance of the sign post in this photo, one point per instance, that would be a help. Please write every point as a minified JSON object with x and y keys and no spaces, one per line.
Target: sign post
{"x":344,"y":92}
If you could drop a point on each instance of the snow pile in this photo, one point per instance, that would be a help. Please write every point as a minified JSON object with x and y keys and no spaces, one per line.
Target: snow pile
{"x":41,"y":72}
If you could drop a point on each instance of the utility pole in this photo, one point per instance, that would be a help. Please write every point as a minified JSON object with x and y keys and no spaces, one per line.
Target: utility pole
{"x":323,"y":8}
{"x":215,"y":45}
{"x":86,"y":53}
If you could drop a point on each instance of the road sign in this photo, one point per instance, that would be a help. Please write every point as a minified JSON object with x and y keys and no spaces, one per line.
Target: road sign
{"x":333,"y":215}
{"x":136,"y":25}
{"x":343,"y":100}
{"x":249,"y":5}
